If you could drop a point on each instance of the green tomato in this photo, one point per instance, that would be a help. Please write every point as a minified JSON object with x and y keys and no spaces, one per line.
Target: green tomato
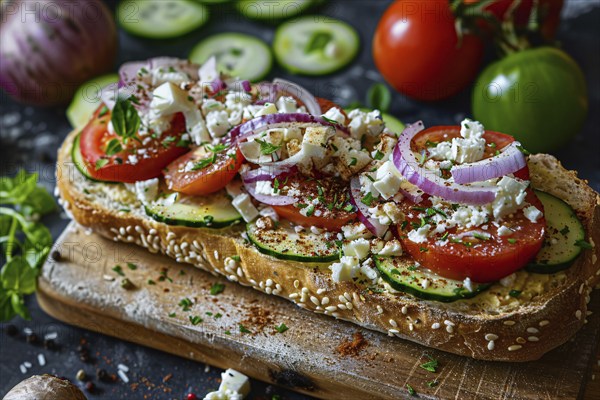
{"x":538,"y":95}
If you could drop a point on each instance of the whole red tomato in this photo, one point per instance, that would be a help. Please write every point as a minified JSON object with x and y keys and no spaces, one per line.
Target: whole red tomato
{"x":417,"y":50}
{"x":548,"y":12}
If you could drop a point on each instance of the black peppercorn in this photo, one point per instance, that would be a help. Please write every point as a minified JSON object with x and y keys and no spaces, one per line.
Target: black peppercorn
{"x":90,"y":387}
{"x":31,"y":338}
{"x":56,"y":256}
{"x":11,"y":330}
{"x":102,"y":375}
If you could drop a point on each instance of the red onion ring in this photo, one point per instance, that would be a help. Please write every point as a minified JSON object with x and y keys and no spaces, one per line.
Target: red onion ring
{"x":414,"y":196}
{"x":297,"y":91}
{"x":510,"y":160}
{"x":429,"y":181}
{"x":275,"y":200}
{"x":372,"y":224}
{"x":246,"y":85}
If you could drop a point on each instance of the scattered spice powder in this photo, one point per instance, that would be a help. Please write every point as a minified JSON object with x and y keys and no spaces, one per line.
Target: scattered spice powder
{"x":258,"y":318}
{"x":353,"y":347}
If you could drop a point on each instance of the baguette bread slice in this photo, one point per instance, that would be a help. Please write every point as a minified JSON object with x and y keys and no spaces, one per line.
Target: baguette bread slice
{"x":491,"y":326}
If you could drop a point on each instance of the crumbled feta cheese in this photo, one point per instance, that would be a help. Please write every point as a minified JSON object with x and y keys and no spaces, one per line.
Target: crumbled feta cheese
{"x":335,"y":114}
{"x":388,"y":180}
{"x":394,"y":212}
{"x":362,"y":123}
{"x":161,"y":75}
{"x":511,"y":194}
{"x":469,"y":217}
{"x":467,"y":149}
{"x":132,"y":158}
{"x":196,"y":127}
{"x":357,"y":248}
{"x":292,"y":133}
{"x":345,"y":269}
{"x":314,"y":143}
{"x":269,"y":212}
{"x":286,"y":105}
{"x":508,"y":281}
{"x":391,"y":248}
{"x":210,"y":105}
{"x":244,"y":206}
{"x":504,"y":231}
{"x":168,"y":99}
{"x":268,"y":108}
{"x":532,"y":213}
{"x":419,"y":235}
{"x":146,"y":191}
{"x":355,"y":231}
{"x":217,"y":123}
{"x":265,"y":188}
{"x":234,"y":386}
{"x":368,"y":271}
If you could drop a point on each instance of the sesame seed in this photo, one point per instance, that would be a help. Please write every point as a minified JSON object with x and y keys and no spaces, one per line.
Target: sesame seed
{"x":491,"y":345}
{"x":393,"y":331}
{"x":578,"y":314}
{"x":268,"y":290}
{"x":278,"y":287}
{"x":128,"y":228}
{"x":515,"y":347}
{"x":521,"y":340}
{"x":320,"y":291}
{"x":293,"y":296}
{"x":153,"y":231}
{"x":342,"y":299}
{"x":170,"y":236}
{"x":123,"y":367}
{"x":315,"y":300}
{"x":296,"y":283}
{"x":261,"y":285}
{"x":435,"y":325}
{"x":27,"y":364}
{"x":233,"y":278}
{"x":108,"y":278}
{"x":305,"y":290}
{"x":588,"y":313}
{"x":532,"y":330}
{"x":379,"y":309}
{"x":449,"y":323}
{"x":509,"y":323}
{"x":325,"y":301}
{"x":533,"y":339}
{"x":269,"y":282}
{"x":253,"y":282}
{"x":393,"y":323}
{"x":331,"y":308}
{"x":411,"y":327}
{"x":342,"y":306}
{"x":41,"y":359}
{"x":240,"y":272}
{"x":301,"y":305}
{"x":23,"y":369}
{"x":544,"y":322}
{"x":347,"y":296}
{"x":404,"y":310}
{"x":581,"y":288}
{"x":336,"y":314}
{"x":122,"y":231}
{"x":303,"y":297}
{"x":349,"y":305}
{"x":217,"y":254}
{"x":355,"y":297}
{"x":491,"y":336}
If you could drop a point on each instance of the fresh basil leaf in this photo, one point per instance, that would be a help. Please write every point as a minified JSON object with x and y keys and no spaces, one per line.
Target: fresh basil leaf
{"x":16,"y":190}
{"x":18,"y":276}
{"x":6,"y":309}
{"x":18,"y":305}
{"x":379,"y":97}
{"x":113,"y":147}
{"x":125,"y":118}
{"x":39,"y":202}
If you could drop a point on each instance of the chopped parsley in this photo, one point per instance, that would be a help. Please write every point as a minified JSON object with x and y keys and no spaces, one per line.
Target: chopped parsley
{"x":204,"y":163}
{"x":412,"y":268}
{"x":236,"y":258}
{"x":172,"y":315}
{"x":378,"y":155}
{"x":168,"y":140}
{"x":151,"y":282}
{"x":524,"y":150}
{"x":429,"y":143}
{"x":195,"y":320}
{"x":564,"y":230}
{"x":583,"y":244}
{"x":217,"y":288}
{"x":410,"y":389}
{"x":101,"y":162}
{"x":430,"y":365}
{"x":511,"y":240}
{"x":349,"y":208}
{"x":131,"y":266}
{"x":480,"y":236}
{"x":118,"y":270}
{"x":276,"y":185}
{"x":243,"y":329}
{"x":432,"y":384}
{"x":310,"y":210}
{"x":281,"y":328}
{"x":514,"y":293}
{"x":353,"y":161}
{"x":218,"y":315}
{"x":368,"y":199}
{"x":185,"y":304}
{"x":227,"y":332}
{"x":267,"y":148}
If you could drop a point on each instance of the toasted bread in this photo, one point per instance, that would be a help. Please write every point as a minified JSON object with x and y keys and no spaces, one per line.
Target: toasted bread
{"x":491,"y":326}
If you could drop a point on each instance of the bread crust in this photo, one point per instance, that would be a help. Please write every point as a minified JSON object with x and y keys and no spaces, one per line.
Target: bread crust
{"x":523,"y":334}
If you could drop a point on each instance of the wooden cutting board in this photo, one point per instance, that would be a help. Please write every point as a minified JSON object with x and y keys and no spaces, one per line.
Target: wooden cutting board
{"x":79,"y":290}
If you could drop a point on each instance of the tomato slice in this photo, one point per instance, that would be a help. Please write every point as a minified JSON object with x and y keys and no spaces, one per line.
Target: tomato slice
{"x":478,"y":259}
{"x":326,"y":199}
{"x":137,"y":161}
{"x":204,"y":170}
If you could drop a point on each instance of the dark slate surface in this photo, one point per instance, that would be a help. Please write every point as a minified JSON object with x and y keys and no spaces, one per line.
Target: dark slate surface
{"x":29,"y":137}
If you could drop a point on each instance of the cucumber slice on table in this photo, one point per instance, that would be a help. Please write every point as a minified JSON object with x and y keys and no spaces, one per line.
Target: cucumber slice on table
{"x":392,"y":123}
{"x":315,"y":45}
{"x":563,"y":230}
{"x":87,"y":99}
{"x":239,"y":55}
{"x":404,"y":276}
{"x":78,"y":160}
{"x":161,"y":19}
{"x":287,"y":244}
{"x":271,"y":11}
{"x":212,"y":211}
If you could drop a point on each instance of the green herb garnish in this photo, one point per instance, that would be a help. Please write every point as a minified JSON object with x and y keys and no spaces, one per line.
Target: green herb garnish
{"x":267,"y":148}
{"x":410,"y":389}
{"x":113,"y":147}
{"x":195,"y":320}
{"x":118,"y":270}
{"x":514,"y":293}
{"x":430,"y":365}
{"x":217,"y":288}
{"x":125,"y":119}
{"x":281,"y":328}
{"x":368,"y":199}
{"x":243,"y":329}
{"x":185,"y":304}
{"x":131,"y":266}
{"x":101,"y":162}
{"x":583,"y":244}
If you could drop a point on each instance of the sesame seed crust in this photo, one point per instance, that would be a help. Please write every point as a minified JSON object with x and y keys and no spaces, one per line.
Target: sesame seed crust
{"x":308,"y":285}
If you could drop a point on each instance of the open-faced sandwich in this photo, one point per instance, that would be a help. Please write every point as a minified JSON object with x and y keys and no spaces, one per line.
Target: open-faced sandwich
{"x":452,"y":236}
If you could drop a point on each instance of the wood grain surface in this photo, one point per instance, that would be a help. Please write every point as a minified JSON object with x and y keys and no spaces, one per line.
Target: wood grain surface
{"x":83,"y":289}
